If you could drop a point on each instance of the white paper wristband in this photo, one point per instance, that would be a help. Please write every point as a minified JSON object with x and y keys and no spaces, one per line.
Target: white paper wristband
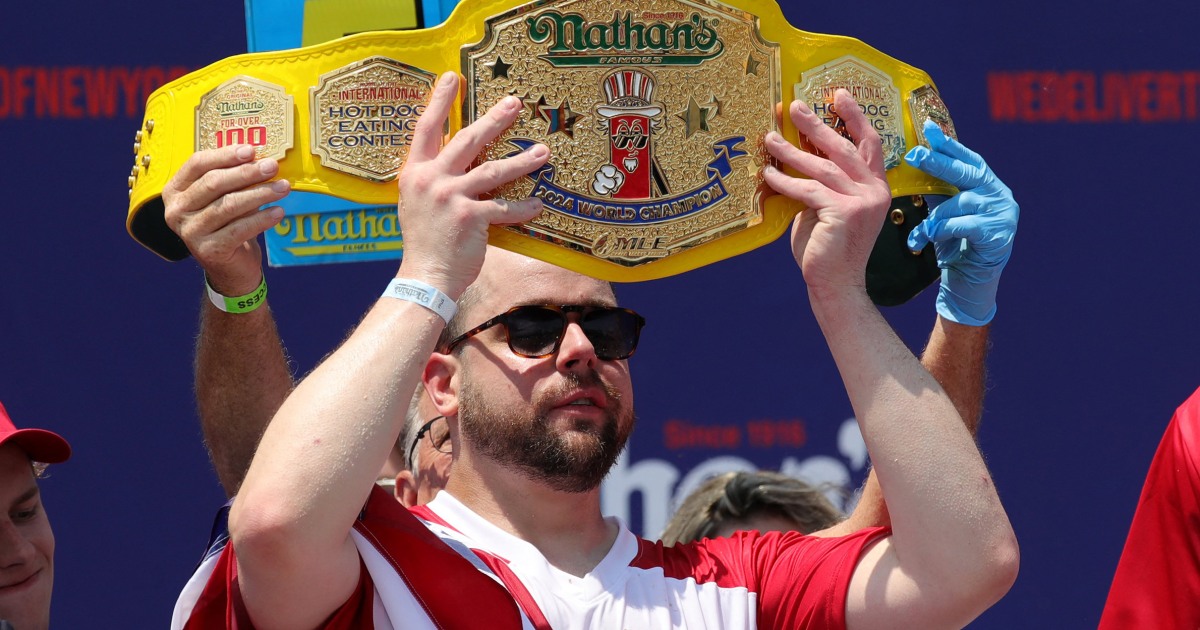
{"x":423,"y":294}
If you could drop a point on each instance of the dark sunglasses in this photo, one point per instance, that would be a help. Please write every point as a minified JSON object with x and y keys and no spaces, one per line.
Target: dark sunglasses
{"x":536,"y":330}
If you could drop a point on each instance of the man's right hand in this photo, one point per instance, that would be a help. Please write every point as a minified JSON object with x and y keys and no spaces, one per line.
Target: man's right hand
{"x":845,"y":193}
{"x":213,"y":203}
{"x":446,"y":206}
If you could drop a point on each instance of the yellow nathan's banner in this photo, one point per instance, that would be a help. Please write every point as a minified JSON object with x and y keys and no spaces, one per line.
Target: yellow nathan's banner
{"x":654,"y":111}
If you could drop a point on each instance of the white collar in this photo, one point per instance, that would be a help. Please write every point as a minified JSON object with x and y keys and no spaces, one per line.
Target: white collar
{"x":528,"y":561}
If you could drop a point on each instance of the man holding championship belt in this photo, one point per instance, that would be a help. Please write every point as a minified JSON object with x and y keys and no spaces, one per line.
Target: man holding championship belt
{"x":535,"y":348}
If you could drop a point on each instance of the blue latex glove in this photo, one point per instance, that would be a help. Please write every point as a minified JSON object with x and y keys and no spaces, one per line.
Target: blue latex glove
{"x":972,"y":231}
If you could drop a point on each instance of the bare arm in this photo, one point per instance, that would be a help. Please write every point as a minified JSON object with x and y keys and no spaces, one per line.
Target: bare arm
{"x":952,"y":552}
{"x":956,"y":358}
{"x":319,"y":457}
{"x":242,"y":377}
{"x":241,"y":370}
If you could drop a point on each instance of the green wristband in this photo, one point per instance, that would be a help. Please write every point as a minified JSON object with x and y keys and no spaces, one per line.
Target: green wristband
{"x":241,"y":303}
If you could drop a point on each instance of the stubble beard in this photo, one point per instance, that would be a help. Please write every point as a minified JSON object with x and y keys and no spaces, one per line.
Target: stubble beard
{"x":572,"y":460}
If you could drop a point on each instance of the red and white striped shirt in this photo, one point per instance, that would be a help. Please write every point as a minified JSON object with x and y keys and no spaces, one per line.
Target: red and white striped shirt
{"x":450,"y":568}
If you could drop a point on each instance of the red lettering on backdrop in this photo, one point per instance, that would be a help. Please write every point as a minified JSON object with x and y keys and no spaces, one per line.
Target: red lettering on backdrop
{"x":73,"y":92}
{"x":1000,"y":96}
{"x":1118,"y":98}
{"x":757,"y":433}
{"x":45,"y":90}
{"x":71,"y":89}
{"x":20,"y":90}
{"x":772,"y":433}
{"x":129,"y":80}
{"x":152,"y":78}
{"x":1076,"y":96}
{"x":100,"y":92}
{"x":680,"y":434}
{"x":1191,"y":90}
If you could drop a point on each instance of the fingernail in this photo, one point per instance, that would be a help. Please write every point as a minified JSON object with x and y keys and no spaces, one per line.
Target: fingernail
{"x":769,"y":170}
{"x":268,"y":167}
{"x":774,"y":137}
{"x":803,"y":107}
{"x":274,"y":212}
{"x":281,"y":186}
{"x":447,"y":80}
{"x":245,"y":152}
{"x":537,"y":150}
{"x":511,"y":103}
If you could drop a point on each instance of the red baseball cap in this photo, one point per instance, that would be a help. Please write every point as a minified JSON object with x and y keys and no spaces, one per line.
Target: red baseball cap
{"x":42,"y":446}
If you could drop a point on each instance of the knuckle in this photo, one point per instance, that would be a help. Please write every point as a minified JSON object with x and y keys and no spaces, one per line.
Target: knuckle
{"x":490,"y":171}
{"x":871,"y":139}
{"x":443,"y":196}
{"x":415,"y":180}
{"x":207,"y":183}
{"x":171,"y":210}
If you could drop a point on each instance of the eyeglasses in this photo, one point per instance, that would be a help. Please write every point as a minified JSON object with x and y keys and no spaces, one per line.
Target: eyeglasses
{"x":439,"y":439}
{"x":536,"y":330}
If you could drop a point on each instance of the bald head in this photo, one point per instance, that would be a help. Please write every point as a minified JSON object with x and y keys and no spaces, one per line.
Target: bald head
{"x":508,"y":279}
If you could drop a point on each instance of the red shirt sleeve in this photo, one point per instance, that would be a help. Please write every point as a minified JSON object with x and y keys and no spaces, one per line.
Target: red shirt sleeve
{"x":220,"y":604}
{"x":1157,"y":584}
{"x":801,"y":580}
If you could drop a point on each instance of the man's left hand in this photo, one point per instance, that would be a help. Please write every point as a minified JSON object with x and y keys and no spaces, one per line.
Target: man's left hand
{"x":972,"y":231}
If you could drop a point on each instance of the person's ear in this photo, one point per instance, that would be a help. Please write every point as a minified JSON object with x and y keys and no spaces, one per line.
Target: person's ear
{"x":441,"y":383}
{"x":406,"y":488}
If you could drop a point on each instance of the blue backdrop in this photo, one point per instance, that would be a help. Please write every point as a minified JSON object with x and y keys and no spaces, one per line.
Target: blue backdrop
{"x":1089,"y":113}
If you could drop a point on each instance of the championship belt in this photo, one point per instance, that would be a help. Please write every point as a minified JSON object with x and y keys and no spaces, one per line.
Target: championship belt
{"x":654,"y":111}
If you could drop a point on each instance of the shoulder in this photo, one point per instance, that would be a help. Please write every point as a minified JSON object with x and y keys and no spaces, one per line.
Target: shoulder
{"x":1187,"y":419}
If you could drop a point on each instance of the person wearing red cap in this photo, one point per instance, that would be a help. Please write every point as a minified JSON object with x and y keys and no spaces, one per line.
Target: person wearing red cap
{"x":26,"y":541}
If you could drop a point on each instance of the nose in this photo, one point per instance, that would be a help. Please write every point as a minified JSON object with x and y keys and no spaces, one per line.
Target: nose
{"x":576,"y":351}
{"x":15,"y":548}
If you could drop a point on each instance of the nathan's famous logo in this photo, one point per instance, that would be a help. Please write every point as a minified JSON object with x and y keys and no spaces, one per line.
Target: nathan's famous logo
{"x":574,"y":41}
{"x":241,"y":108}
{"x":631,"y":188}
{"x":239,"y":119}
{"x":374,"y":228}
{"x":245,"y":110}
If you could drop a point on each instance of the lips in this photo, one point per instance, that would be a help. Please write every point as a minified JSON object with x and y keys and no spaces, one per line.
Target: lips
{"x":584,"y":398}
{"x":20,"y":583}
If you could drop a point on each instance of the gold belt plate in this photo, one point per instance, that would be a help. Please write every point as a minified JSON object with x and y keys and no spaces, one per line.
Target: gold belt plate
{"x":654,"y":113}
{"x":654,"y":110}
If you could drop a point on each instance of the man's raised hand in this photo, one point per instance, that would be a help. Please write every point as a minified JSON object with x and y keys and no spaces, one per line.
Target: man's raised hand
{"x":846,"y":194}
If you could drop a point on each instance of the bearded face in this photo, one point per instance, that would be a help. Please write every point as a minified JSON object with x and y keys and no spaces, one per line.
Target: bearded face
{"x":572,"y":458}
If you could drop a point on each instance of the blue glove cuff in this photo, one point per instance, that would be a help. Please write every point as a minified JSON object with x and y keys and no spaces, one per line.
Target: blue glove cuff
{"x":974,"y":306}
